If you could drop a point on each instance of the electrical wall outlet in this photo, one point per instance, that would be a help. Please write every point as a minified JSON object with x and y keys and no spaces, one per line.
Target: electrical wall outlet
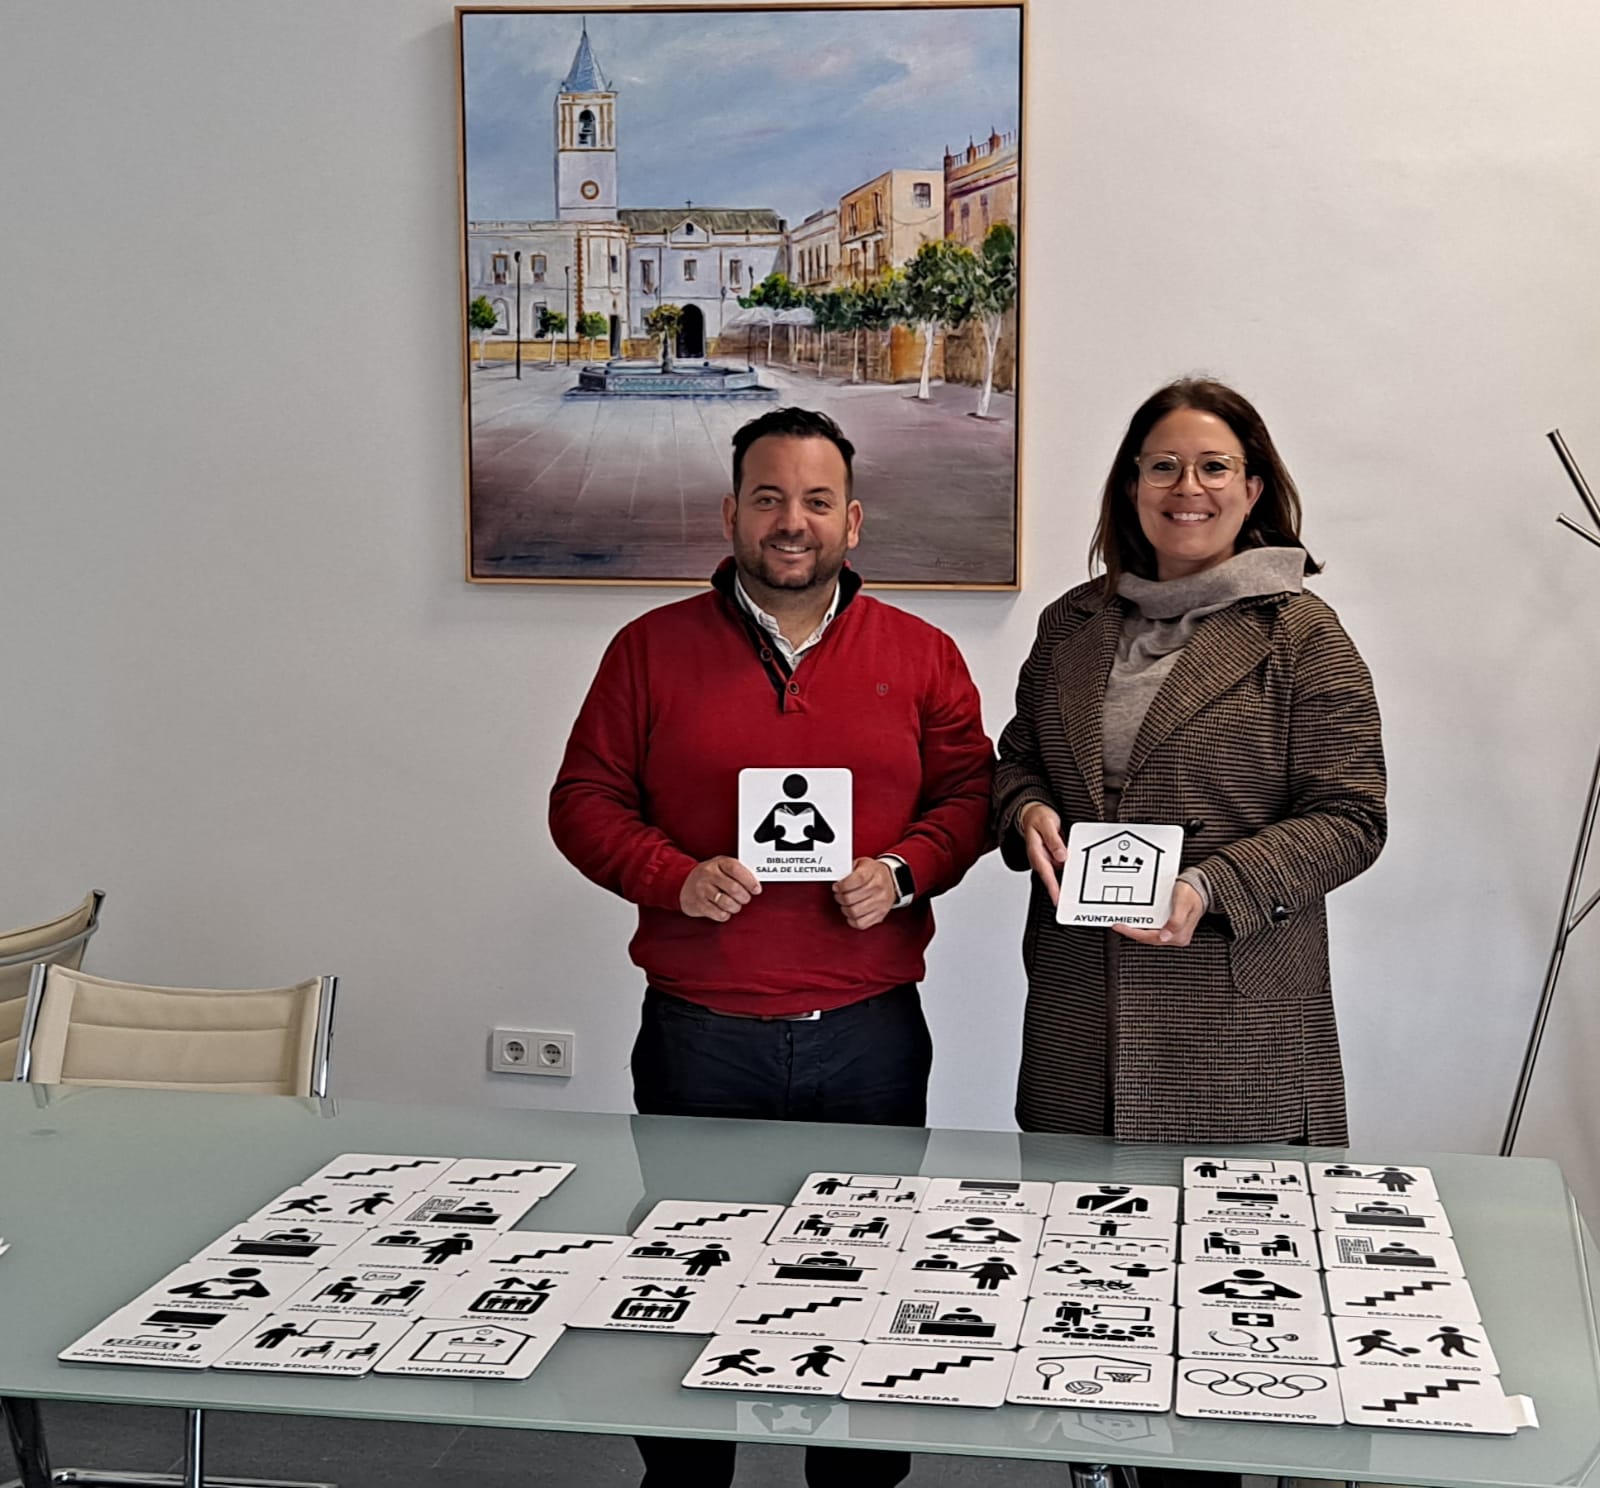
{"x":530,"y":1051}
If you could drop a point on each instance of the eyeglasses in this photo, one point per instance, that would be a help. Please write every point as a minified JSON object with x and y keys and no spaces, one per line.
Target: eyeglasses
{"x":1212,"y":470}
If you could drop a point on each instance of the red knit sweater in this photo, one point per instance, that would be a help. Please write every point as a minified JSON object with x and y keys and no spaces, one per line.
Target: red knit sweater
{"x":649,"y":787}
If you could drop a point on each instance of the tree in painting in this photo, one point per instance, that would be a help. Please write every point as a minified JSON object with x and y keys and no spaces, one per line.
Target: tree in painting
{"x":995,"y":292}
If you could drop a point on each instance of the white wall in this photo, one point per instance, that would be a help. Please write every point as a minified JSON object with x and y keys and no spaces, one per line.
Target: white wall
{"x":250,"y":695}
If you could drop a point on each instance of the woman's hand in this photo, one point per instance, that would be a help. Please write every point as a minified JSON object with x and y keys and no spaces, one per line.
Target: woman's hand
{"x":1187,"y":907}
{"x":1041,"y":835}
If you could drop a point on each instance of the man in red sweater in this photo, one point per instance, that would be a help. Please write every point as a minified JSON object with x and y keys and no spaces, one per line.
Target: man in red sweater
{"x":779,"y":1001}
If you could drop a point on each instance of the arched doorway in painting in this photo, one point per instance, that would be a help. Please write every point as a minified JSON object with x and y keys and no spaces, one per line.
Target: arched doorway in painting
{"x":692,"y":333}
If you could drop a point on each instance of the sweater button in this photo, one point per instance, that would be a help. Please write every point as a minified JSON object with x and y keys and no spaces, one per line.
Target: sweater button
{"x":794,"y":689}
{"x":1194,"y":826}
{"x":766,"y":655}
{"x":1280,"y":912}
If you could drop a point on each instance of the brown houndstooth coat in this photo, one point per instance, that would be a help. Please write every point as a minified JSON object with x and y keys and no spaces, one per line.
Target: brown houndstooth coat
{"x":1264,"y":744}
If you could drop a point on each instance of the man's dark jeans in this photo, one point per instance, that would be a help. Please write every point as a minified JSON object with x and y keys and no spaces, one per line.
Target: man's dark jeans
{"x":867,"y":1063}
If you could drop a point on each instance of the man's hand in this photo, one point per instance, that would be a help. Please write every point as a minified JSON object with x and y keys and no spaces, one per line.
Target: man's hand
{"x":717,"y":889}
{"x":867,"y":893}
{"x":1179,"y":930}
{"x":1041,"y":835}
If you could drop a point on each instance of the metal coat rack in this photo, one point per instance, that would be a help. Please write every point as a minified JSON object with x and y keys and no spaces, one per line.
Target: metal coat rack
{"x":1572,"y":914}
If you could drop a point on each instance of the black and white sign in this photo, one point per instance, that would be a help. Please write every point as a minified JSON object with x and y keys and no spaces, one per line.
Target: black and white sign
{"x":1298,"y":1393}
{"x":750,"y":1363}
{"x":503,"y":1349}
{"x":925,"y":1376}
{"x":1101,"y":1381}
{"x":1119,"y":873}
{"x":795,"y":823}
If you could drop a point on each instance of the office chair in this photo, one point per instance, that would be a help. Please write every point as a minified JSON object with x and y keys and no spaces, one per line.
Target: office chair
{"x":83,"y":1030}
{"x":61,"y":940}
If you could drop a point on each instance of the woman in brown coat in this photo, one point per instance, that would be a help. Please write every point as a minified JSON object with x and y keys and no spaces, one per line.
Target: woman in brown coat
{"x":1194,"y":682}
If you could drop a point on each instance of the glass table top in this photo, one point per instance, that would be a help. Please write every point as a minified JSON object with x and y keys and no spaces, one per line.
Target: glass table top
{"x":103,"y":1191}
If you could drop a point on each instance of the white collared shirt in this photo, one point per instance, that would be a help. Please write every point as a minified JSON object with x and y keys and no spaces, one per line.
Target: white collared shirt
{"x":792,"y":655}
{"x":769,"y":625}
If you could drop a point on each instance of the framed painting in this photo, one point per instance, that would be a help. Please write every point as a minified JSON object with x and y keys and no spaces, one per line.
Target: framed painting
{"x":674,"y":218}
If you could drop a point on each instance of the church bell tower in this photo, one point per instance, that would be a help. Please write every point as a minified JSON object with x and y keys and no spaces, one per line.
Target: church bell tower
{"x":586,"y":141}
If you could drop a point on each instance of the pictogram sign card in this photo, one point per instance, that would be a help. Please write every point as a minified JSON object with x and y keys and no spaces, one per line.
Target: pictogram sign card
{"x":1094,"y":1203}
{"x":1250,"y":1334}
{"x":461,"y":1209}
{"x":1075,"y":1380}
{"x":326,"y":1205}
{"x":862,"y":1190}
{"x":1089,"y":1227}
{"x":528,"y":1178}
{"x":503,"y":1349}
{"x":1277,"y":1175}
{"x":1213,"y":1206}
{"x":947,"y":1322}
{"x":843,"y":1268}
{"x":252,"y":1288}
{"x":1248,"y":1245}
{"x":655,"y":1257}
{"x":387,"y":1172}
{"x":837,"y":1225}
{"x":1395,"y":1252}
{"x":553,"y":1253}
{"x":1099,"y":1247}
{"x":750,"y":1363}
{"x":1057,"y":1275}
{"x":369,"y":1291}
{"x":1405,"y":1344}
{"x":940,"y":1274}
{"x":1278,"y":1288}
{"x":314,"y":1343}
{"x":1121,"y":1327}
{"x":924,"y":1376}
{"x":1366,"y":1180}
{"x":1389,"y":1294}
{"x":710,"y":1219}
{"x":1347,"y":1212}
{"x":527,"y":1298}
{"x":989,"y":1232}
{"x":303,"y":1245}
{"x":619,"y":1305}
{"x":986,"y":1196}
{"x":188,"y":1336}
{"x":427,"y":1247}
{"x":1298,"y":1393}
{"x":794,"y":823}
{"x":788,"y":1312}
{"x":1119,"y":873}
{"x":1432,"y":1400}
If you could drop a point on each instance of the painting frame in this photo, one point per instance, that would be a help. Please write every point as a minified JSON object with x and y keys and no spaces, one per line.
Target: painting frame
{"x":940,"y":479}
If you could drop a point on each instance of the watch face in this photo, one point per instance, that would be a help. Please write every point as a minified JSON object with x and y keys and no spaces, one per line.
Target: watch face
{"x":590,"y":190}
{"x":904,"y":885}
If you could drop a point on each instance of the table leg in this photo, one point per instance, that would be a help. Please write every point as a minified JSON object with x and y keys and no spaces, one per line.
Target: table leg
{"x":194,"y":1442}
{"x":1092,"y":1475}
{"x":26,"y":1431}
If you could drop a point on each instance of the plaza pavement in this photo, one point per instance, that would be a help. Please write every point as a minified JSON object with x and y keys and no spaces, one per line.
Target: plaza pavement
{"x":629,"y":488}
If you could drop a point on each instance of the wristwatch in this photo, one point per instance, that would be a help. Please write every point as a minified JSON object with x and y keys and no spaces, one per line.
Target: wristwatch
{"x":905,"y":886}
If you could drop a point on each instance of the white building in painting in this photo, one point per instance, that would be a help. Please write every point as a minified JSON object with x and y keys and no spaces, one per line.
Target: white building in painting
{"x":702,"y":258}
{"x":625,"y":261}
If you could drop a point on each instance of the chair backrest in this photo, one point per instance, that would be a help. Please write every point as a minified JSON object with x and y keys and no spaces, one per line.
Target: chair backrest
{"x":60,"y":941}
{"x":85,"y":1030}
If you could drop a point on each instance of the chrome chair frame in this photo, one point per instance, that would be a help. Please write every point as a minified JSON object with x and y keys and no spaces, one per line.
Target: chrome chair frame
{"x":22,"y":1417}
{"x":59,"y":947}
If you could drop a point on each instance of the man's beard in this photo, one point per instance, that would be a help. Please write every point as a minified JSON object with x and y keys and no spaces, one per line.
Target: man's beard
{"x":824,"y":570}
